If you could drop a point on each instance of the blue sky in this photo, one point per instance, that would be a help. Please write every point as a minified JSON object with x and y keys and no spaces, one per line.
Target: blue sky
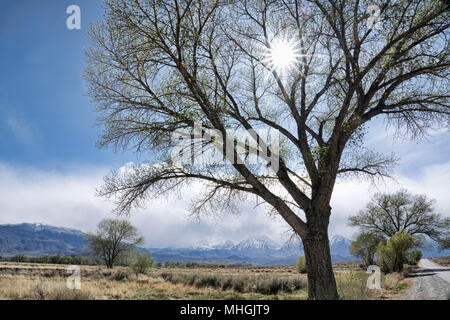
{"x":50,"y":166}
{"x":46,"y":118}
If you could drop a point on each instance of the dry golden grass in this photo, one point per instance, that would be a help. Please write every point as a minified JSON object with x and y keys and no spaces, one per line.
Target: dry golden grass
{"x":443,"y":261}
{"x":352,"y":285}
{"x":48,"y":282}
{"x":391,"y":280}
{"x":45,"y":281}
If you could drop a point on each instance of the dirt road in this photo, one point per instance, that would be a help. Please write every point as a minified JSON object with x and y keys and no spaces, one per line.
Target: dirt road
{"x":432,"y":282}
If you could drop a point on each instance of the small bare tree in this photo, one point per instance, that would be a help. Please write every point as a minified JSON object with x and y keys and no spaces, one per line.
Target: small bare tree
{"x":113,"y":240}
{"x":316,"y":72}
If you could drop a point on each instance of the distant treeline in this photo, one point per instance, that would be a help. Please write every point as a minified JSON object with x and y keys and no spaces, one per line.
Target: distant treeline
{"x":90,"y":261}
{"x":54,"y":259}
{"x":192,"y":265}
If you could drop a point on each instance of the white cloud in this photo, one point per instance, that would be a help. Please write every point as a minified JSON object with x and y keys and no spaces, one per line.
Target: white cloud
{"x":22,"y":131}
{"x":434,"y":182}
{"x":68,"y":199}
{"x":415,"y":155}
{"x":60,"y":199}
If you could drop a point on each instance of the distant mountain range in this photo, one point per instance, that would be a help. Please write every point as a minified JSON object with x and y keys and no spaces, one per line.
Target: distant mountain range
{"x":259,"y":251}
{"x":38,"y":239}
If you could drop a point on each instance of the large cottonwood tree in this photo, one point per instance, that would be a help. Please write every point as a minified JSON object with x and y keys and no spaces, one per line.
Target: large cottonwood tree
{"x":388,"y":213}
{"x":316,"y":72}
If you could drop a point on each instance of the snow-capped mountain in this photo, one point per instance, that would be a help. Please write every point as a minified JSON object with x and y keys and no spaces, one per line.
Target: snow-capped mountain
{"x":225,"y":245}
{"x":337,"y":239}
{"x":39,"y":227}
{"x":259,"y":250}
{"x":203,"y":246}
{"x":340,"y":245}
{"x":39,"y":239}
{"x":260,"y":243}
{"x":213,"y":245}
{"x":248,"y":244}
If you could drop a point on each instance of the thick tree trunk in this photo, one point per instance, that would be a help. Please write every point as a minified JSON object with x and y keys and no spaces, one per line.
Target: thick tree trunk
{"x":321,"y":281}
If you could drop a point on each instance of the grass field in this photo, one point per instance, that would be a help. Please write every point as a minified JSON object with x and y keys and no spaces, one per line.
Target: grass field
{"x":48,"y":282}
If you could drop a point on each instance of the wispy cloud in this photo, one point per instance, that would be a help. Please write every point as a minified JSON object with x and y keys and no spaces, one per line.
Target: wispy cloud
{"x":433,"y":149}
{"x":21,"y":129}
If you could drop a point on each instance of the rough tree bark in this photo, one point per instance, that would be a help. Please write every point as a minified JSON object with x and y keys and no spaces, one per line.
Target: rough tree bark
{"x":321,"y":281}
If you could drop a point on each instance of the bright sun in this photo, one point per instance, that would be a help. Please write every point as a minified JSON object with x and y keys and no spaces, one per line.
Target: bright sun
{"x":282,"y":55}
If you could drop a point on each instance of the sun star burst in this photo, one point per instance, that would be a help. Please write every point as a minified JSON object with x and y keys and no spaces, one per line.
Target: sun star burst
{"x":283,"y":55}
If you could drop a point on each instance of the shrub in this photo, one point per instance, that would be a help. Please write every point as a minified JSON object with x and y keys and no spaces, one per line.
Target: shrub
{"x":264,"y":284}
{"x":39,"y":292}
{"x":394,"y":254}
{"x":67,"y":294}
{"x":19,"y":258}
{"x":352,"y":285}
{"x":407,"y":270}
{"x":278,"y":284}
{"x":401,"y":286}
{"x":239,"y":284}
{"x":227,"y":283}
{"x":414,"y":257}
{"x":141,"y":263}
{"x":121,"y":274}
{"x":265,"y":287}
{"x":204,"y":280}
{"x":299,"y":283}
{"x":50,"y":273}
{"x":192,"y":280}
{"x":44,"y":291}
{"x":167,"y":276}
{"x":391,"y":280}
{"x":365,"y":247}
{"x":301,"y":265}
